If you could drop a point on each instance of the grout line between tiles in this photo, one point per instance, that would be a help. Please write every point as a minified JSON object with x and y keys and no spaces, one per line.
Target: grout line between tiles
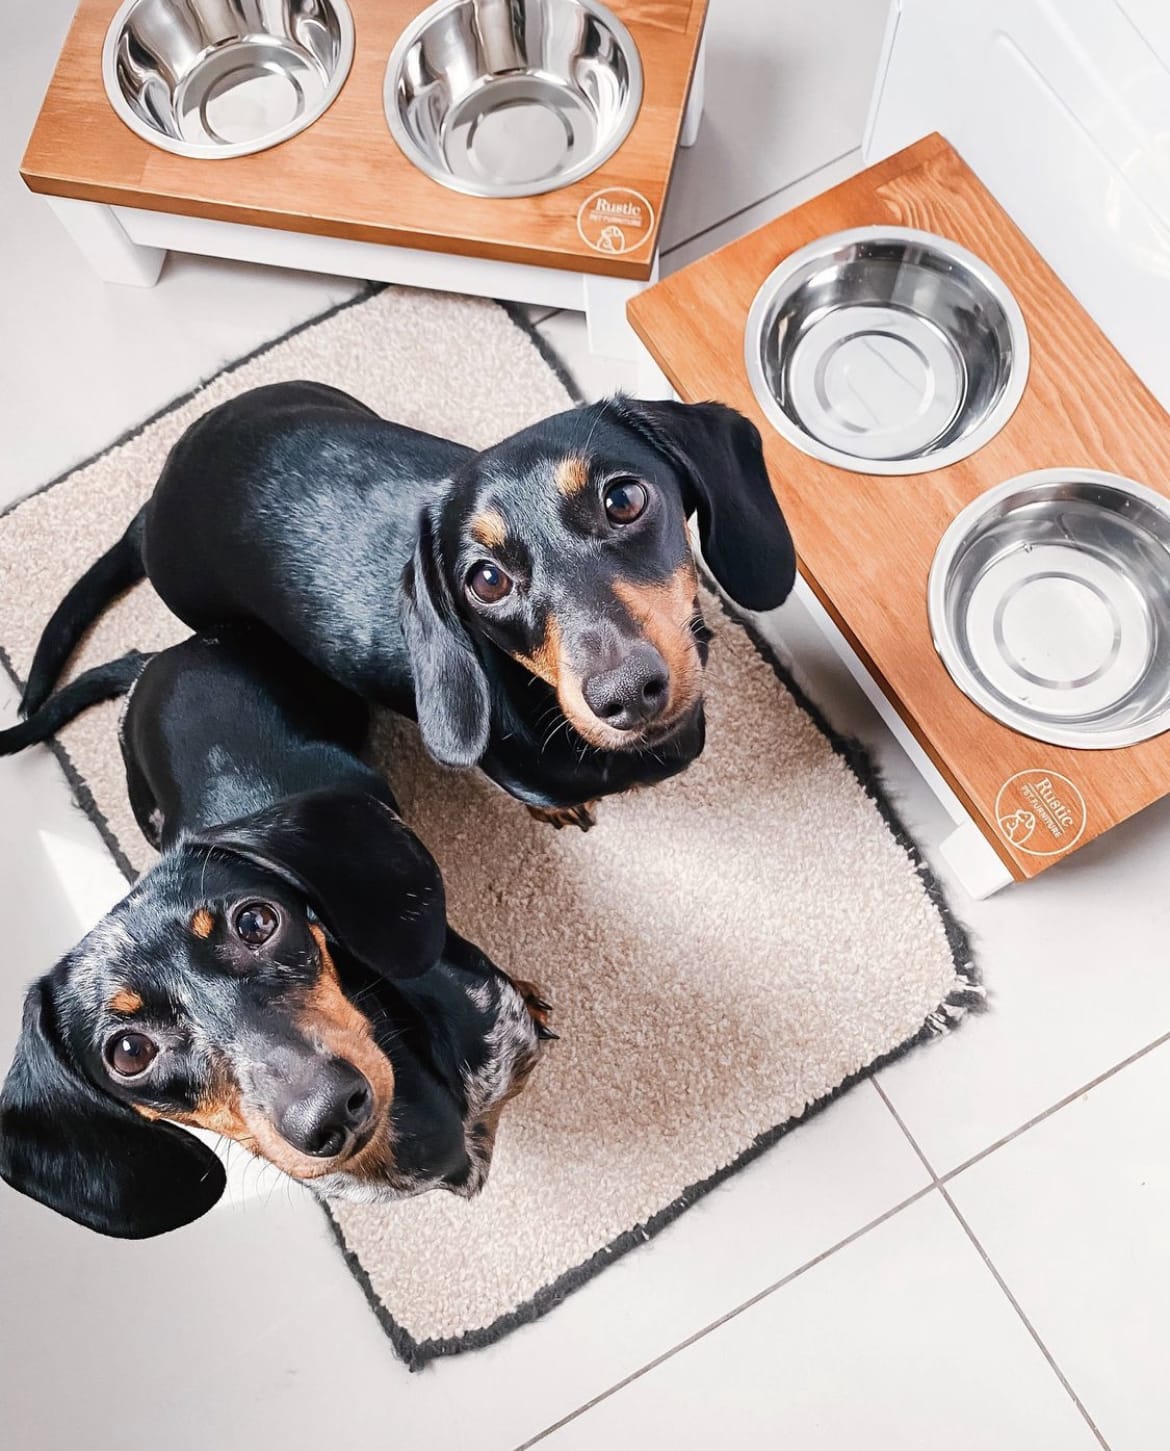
{"x":995,"y":1274}
{"x":731,"y":1314}
{"x":1027,"y":1324}
{"x":910,"y":1139}
{"x":759,"y":202}
{"x":1048,"y":1112}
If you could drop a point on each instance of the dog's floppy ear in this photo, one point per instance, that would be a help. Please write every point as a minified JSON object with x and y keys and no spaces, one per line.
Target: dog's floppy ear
{"x":451,"y":697}
{"x":366,"y":875}
{"x":84,"y":1154}
{"x":744,"y":538}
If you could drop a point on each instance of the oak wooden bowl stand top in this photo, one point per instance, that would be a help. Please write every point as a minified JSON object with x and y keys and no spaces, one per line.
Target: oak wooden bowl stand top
{"x":342,"y":197}
{"x":866,"y":542}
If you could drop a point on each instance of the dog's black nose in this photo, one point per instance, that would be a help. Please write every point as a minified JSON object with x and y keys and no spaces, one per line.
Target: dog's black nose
{"x":323,"y":1113}
{"x":633,"y":692}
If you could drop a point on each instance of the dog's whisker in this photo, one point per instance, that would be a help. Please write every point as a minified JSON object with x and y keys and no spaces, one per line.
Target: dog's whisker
{"x":562,"y":724}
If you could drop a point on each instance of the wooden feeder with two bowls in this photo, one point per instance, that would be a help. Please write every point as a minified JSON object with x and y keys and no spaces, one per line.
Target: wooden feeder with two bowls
{"x":517,"y":149}
{"x":978,"y":485}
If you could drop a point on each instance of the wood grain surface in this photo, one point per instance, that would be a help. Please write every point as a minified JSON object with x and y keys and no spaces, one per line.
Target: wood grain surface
{"x":866,"y":542}
{"x":344,"y":176}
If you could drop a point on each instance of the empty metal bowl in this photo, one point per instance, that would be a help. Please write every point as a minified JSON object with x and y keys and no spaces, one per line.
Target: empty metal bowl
{"x":886,"y":350}
{"x":505,"y":98}
{"x":220,"y":78}
{"x":1049,"y":603}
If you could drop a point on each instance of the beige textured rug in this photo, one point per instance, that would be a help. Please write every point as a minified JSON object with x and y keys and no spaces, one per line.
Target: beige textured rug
{"x":725,"y":952}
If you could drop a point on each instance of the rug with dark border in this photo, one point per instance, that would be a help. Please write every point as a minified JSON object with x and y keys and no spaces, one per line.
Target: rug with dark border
{"x":727,"y":953}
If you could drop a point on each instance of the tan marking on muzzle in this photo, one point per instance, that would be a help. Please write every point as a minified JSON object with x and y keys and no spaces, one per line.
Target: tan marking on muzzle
{"x":328,"y":1019}
{"x":489,"y":529}
{"x":125,"y":1001}
{"x":203,"y":923}
{"x":548,"y":661}
{"x":571,"y":475}
{"x":220,"y":1111}
{"x":545,"y":659}
{"x":663,"y":613}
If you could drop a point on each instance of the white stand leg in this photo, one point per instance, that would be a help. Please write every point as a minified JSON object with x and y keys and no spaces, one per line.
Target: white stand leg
{"x":610,"y":333}
{"x":693,"y":115}
{"x":974,"y":861}
{"x":104,"y":244}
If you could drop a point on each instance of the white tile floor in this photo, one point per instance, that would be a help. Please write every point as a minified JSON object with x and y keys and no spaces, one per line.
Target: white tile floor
{"x":834,"y":1295}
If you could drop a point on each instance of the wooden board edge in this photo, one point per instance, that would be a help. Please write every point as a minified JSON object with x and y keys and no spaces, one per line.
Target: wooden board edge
{"x":594,"y":263}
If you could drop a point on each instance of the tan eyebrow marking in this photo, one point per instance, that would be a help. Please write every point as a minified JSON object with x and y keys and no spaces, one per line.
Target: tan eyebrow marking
{"x":202,"y":923}
{"x":489,"y":529}
{"x":125,"y":1000}
{"x":571,"y":475}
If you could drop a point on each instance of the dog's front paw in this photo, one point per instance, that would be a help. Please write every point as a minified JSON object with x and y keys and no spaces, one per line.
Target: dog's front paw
{"x":538,"y":1009}
{"x":559,"y":816}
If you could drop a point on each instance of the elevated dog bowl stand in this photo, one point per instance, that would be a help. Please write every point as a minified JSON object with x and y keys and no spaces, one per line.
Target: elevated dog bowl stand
{"x":341,"y":198}
{"x":866,"y":542}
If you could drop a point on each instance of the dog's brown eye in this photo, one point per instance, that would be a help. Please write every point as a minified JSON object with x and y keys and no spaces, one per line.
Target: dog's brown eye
{"x":130,"y":1054}
{"x":625,"y":501}
{"x":256,"y":922}
{"x":488,"y":582}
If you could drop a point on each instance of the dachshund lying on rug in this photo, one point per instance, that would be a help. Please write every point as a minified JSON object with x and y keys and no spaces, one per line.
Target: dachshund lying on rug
{"x":284,"y":976}
{"x":533,"y":606}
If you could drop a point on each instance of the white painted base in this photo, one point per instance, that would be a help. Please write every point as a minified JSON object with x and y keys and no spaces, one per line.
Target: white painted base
{"x":652,"y":381}
{"x":128,"y":245}
{"x":105,"y":244}
{"x":974,"y":861}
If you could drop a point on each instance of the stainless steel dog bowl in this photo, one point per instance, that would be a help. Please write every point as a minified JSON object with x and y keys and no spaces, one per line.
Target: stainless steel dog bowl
{"x":221,"y":78}
{"x":1049,"y":601}
{"x":886,"y":350}
{"x":506,"y":98}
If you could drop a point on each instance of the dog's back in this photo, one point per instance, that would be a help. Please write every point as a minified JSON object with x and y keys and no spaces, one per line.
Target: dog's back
{"x":218,"y":727}
{"x":296,"y":506}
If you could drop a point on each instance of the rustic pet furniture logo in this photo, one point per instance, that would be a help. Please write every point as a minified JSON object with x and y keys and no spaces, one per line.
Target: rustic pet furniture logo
{"x":1041,"y":812}
{"x":615,"y":220}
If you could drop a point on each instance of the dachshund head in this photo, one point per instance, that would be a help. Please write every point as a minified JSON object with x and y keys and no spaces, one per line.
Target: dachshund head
{"x":565,"y":548}
{"x":219,"y":995}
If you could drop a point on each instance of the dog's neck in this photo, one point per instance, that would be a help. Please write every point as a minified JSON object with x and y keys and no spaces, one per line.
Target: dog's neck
{"x":226,"y":788}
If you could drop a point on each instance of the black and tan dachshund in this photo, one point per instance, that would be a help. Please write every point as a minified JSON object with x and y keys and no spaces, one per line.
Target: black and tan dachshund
{"x":284,"y":976}
{"x":534,"y":606}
